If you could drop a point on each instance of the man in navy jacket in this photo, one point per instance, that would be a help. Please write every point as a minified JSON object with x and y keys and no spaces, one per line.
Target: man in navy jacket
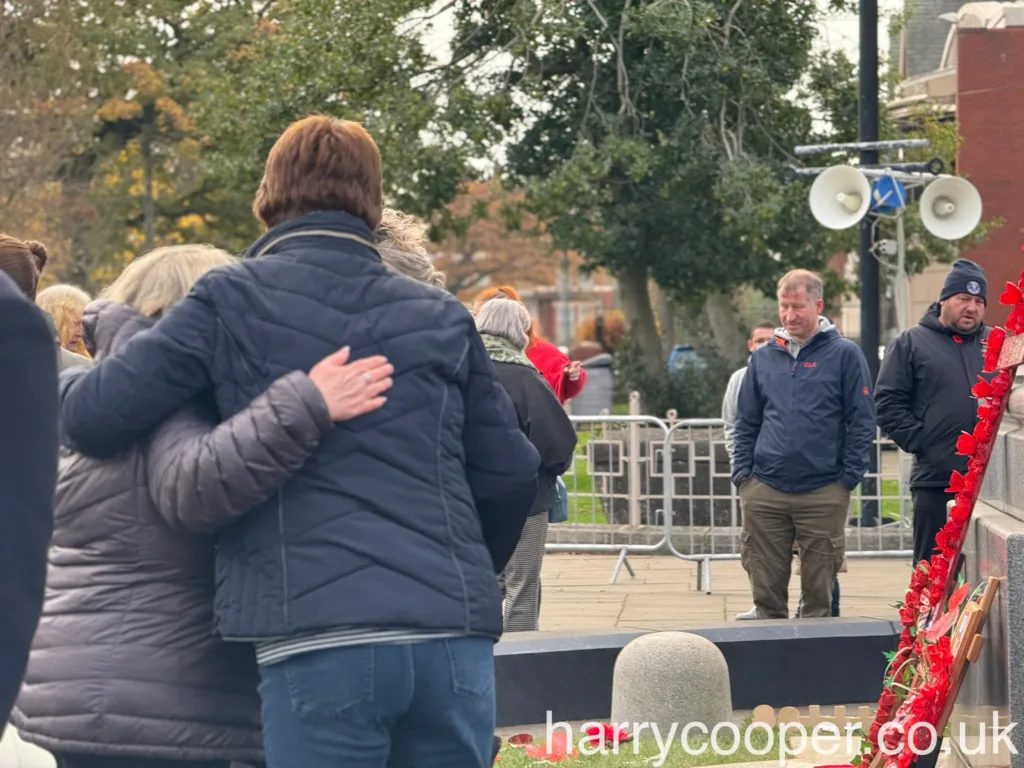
{"x":804,"y":432}
{"x":28,"y":477}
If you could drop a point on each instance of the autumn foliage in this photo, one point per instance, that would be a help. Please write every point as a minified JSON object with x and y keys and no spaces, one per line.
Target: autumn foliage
{"x":491,"y":245}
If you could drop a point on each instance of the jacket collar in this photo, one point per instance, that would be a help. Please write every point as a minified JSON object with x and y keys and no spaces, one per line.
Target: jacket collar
{"x":783,"y":341}
{"x":337,"y":224}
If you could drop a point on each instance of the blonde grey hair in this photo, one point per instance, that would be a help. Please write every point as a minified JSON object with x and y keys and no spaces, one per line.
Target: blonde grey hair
{"x":401,"y":241}
{"x":507,"y":319}
{"x":62,"y":295}
{"x":795,"y":279}
{"x":156,"y":281}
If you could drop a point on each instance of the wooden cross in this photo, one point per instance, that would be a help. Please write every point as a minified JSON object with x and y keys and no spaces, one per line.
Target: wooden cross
{"x":1012,"y":352}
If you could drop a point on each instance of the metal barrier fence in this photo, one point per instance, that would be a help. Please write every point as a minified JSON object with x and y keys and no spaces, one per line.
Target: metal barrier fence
{"x":630,"y":470}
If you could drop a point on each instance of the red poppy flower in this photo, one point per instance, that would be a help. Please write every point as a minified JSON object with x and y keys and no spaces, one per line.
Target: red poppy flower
{"x":982,"y":389}
{"x":887,"y":700}
{"x":1001,"y":383}
{"x":1015,"y":321}
{"x":555,"y":752}
{"x":993,"y":346}
{"x":1012,"y":295}
{"x":966,"y":445}
{"x":946,"y":540}
{"x":606,"y":734}
{"x":957,"y":483}
{"x":873,"y":733}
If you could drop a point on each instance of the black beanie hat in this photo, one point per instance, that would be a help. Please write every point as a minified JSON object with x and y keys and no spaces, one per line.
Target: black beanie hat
{"x":965,"y":277}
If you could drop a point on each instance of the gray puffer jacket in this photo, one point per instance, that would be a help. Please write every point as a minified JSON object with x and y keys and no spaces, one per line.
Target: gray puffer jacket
{"x":125,"y":662}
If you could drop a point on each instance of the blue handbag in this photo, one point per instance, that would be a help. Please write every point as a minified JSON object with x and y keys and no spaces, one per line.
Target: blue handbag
{"x":560,"y":507}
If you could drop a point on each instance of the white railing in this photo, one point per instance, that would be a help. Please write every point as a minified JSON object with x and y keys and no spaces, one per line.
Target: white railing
{"x":630,"y":470}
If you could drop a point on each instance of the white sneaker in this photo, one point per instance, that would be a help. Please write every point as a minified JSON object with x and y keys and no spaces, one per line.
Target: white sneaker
{"x":747,"y":615}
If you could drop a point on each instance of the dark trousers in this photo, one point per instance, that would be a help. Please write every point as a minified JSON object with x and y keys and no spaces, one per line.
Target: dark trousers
{"x":930,"y":516}
{"x":427,"y":704}
{"x":835,"y":601}
{"x":101,"y":761}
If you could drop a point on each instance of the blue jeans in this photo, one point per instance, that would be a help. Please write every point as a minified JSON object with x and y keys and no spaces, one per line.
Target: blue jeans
{"x":422,"y":705}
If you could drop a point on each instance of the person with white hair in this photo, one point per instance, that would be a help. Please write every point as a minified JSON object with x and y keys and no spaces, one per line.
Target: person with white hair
{"x":401,"y":241}
{"x":503,"y":325}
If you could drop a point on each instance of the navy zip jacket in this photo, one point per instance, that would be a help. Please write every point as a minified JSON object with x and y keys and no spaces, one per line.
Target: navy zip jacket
{"x":402,"y":516}
{"x":806,"y":422}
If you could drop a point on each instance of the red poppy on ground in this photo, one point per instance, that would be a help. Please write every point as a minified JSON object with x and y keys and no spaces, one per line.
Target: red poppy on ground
{"x":606,"y":733}
{"x":558,"y":750}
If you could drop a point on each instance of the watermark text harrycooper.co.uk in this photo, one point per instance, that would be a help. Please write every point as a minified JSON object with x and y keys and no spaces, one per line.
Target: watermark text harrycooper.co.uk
{"x":786,"y":740}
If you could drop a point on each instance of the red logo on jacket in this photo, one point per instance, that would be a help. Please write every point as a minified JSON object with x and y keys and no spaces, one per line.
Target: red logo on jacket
{"x":810,"y":365}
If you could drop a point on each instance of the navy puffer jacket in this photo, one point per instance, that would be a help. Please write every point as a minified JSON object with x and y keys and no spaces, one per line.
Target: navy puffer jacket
{"x":401,"y":517}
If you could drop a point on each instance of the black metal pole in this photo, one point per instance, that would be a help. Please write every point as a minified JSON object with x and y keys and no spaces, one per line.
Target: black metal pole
{"x":870,"y":337}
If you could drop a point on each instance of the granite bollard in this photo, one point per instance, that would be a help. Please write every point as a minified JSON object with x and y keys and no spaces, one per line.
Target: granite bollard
{"x":668,"y":678}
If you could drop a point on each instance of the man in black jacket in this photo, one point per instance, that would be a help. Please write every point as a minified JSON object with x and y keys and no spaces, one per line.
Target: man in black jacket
{"x":28,"y":477}
{"x":923,"y":395}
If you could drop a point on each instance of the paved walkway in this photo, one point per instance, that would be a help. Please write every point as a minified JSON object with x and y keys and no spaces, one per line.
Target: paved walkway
{"x":577,"y":593}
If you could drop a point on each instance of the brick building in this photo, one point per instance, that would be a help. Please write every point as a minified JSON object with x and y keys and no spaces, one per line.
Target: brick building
{"x":975,"y":72}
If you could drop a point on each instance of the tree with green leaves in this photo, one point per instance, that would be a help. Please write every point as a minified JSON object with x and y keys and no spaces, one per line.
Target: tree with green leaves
{"x":352,"y":60}
{"x":652,"y":137}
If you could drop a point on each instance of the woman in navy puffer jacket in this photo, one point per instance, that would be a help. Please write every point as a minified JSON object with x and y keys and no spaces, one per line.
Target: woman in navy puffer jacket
{"x":367,"y":583}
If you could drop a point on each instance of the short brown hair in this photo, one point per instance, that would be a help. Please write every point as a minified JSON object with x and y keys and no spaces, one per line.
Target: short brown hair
{"x":321,"y":164}
{"x":23,"y":261}
{"x":811,"y":282}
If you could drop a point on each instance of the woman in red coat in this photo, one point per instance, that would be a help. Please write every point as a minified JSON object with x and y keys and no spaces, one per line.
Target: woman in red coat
{"x":565,"y":376}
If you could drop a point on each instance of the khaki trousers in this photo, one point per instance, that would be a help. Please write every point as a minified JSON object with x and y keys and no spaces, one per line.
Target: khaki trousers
{"x":772,"y":522}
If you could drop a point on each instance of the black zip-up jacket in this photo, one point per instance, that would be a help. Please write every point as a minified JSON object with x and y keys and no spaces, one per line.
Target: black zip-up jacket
{"x":544,"y":422}
{"x":923,"y":396}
